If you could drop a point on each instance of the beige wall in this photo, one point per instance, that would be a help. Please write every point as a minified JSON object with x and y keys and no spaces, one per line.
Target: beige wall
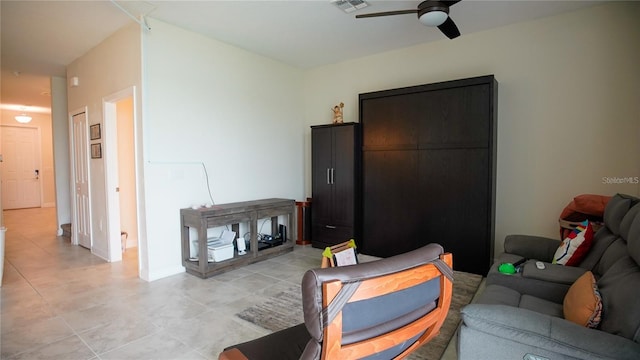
{"x":47,"y":177}
{"x":111,"y":67}
{"x":209,"y":105}
{"x":60,"y":129}
{"x":568,"y":104}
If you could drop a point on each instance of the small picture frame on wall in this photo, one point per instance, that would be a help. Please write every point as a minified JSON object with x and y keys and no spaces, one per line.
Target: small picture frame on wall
{"x":94,"y":132}
{"x":96,"y":151}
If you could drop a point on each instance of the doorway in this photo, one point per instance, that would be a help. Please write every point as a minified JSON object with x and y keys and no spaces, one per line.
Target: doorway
{"x":21,"y":184}
{"x":120,"y":150}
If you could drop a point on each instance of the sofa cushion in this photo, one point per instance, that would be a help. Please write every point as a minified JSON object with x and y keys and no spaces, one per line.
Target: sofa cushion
{"x":583,"y":303}
{"x":551,"y":284}
{"x":620,"y":290}
{"x":633,"y":239}
{"x":616,"y":208}
{"x":504,"y":332}
{"x":499,"y":295}
{"x":613,"y":253}
{"x":628,"y":220}
{"x":602,"y":239}
{"x":541,"y":306}
{"x":575,"y":246}
{"x":502,"y":295}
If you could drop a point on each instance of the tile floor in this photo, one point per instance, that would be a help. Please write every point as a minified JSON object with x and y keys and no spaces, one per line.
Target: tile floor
{"x":60,"y":302}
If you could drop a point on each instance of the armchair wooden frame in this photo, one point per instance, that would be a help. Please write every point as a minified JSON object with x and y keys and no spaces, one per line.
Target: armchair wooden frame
{"x":432,"y":321}
{"x":420,"y":327}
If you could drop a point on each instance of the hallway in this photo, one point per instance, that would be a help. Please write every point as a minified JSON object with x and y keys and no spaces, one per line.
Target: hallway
{"x":45,"y":277}
{"x":61,"y":302}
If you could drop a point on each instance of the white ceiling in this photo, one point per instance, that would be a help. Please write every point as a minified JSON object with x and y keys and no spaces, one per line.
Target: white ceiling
{"x":40,"y":38}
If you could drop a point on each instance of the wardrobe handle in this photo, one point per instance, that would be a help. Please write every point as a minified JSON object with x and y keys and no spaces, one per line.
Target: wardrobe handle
{"x":332,"y":176}
{"x":330,"y":226}
{"x":329,"y":176}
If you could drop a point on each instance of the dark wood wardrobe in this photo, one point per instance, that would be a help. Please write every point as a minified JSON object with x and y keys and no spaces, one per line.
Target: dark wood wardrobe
{"x":335,"y":183}
{"x":428,"y":170}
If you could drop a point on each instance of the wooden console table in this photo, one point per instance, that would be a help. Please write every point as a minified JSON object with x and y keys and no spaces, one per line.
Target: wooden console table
{"x":233,"y":214}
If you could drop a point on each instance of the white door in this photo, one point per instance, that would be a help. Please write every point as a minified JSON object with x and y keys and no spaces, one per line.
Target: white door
{"x":21,"y":178}
{"x":82,"y":216}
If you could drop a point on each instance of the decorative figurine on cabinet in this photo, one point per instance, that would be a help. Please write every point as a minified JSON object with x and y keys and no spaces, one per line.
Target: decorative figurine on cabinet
{"x":337,"y":113}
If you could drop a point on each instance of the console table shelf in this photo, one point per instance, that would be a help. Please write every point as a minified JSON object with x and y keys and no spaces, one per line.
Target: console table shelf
{"x":234,"y":214}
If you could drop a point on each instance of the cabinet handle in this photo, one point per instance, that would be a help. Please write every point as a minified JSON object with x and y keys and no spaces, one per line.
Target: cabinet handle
{"x":329,"y":176}
{"x":332,"y":177}
{"x":330,"y":226}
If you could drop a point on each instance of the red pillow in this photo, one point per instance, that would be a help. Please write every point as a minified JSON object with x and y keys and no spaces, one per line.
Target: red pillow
{"x":591,"y":204}
{"x":575,"y":246}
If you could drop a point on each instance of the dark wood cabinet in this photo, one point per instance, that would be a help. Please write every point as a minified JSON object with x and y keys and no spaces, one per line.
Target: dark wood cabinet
{"x":429,"y":155}
{"x":335,"y":154}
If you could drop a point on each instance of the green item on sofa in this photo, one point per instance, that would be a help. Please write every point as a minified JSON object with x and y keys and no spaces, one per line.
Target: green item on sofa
{"x":507,"y":268}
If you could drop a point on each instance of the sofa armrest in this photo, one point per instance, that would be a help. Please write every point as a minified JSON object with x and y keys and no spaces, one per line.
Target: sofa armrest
{"x":554,"y":273}
{"x":521,"y":330}
{"x":531,"y":247}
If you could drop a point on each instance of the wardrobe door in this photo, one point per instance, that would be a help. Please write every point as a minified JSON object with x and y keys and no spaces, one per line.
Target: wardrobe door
{"x":390,"y":202}
{"x":455,"y":206}
{"x":322,"y":190}
{"x":456,"y":117}
{"x":390,"y":122}
{"x":343,"y":176}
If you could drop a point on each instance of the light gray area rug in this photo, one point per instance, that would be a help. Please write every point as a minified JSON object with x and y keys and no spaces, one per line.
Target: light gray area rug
{"x":285,"y":310}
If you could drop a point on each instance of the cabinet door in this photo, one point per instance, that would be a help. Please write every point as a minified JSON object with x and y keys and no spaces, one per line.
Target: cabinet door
{"x":321,"y":154}
{"x":390,"y":122}
{"x":455,"y":117}
{"x":391,"y":208}
{"x":342,"y":176}
{"x":455,"y":203}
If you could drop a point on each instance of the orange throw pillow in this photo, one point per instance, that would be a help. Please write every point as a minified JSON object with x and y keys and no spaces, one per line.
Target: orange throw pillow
{"x":583,"y":303}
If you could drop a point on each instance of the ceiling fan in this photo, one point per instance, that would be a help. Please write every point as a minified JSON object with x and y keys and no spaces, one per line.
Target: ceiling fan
{"x":430,"y":13}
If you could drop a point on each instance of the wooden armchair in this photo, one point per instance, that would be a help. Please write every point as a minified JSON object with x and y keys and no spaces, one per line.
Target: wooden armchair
{"x":382,"y":309}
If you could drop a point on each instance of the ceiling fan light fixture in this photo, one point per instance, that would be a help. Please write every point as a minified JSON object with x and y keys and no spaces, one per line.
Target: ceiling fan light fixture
{"x":434,"y":18}
{"x":23,"y":118}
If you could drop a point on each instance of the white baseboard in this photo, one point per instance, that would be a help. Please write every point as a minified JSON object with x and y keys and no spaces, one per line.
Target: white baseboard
{"x":160,"y":274}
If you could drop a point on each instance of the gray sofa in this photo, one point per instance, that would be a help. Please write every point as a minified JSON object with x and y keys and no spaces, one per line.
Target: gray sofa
{"x":520,"y":316}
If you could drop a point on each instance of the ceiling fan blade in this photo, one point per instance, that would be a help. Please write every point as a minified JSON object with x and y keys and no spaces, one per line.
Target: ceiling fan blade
{"x":449,"y":28}
{"x":387,"y":13}
{"x":450,"y":2}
